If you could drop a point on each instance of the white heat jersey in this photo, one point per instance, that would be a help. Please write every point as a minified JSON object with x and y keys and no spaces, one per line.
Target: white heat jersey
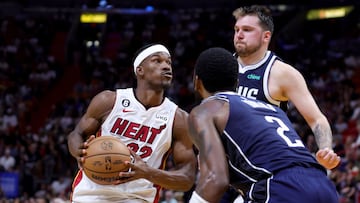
{"x":148,"y":132}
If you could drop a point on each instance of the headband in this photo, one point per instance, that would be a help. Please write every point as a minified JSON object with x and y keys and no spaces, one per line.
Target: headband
{"x":147,"y":52}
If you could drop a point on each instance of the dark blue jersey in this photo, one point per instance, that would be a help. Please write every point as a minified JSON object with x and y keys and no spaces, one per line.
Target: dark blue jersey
{"x":259,"y":141}
{"x":254,"y":80}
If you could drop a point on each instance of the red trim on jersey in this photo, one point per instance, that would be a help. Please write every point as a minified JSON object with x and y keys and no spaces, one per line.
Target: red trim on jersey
{"x":98,"y":134}
{"x":76,"y":181}
{"x":162,"y":167}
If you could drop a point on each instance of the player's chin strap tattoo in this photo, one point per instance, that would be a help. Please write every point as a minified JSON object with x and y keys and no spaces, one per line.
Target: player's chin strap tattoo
{"x":196,"y":198}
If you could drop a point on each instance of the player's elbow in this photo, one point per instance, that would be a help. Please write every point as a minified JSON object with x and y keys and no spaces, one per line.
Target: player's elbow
{"x":184,"y":181}
{"x":189,"y":181}
{"x":219,"y":182}
{"x":222,"y":184}
{"x":188,"y":185}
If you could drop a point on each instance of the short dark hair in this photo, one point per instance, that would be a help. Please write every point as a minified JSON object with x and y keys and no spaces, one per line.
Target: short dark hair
{"x":262,"y":12}
{"x":218,"y":70}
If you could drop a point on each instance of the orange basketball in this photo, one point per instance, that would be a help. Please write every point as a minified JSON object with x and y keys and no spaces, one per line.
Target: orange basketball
{"x":105,"y":159}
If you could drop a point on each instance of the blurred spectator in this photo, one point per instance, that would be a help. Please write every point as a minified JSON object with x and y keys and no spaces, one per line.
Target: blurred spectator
{"x":60,"y":186}
{"x":9,"y":120}
{"x":7,"y":161}
{"x":169,"y":197}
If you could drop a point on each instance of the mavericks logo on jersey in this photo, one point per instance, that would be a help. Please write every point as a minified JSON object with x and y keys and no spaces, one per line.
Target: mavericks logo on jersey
{"x":248,"y":92}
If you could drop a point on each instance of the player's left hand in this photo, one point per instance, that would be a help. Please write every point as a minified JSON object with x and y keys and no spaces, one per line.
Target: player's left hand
{"x":137,"y":169}
{"x":327,"y":158}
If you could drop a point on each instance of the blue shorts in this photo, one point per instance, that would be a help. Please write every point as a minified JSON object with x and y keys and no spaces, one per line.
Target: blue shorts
{"x":294,"y":185}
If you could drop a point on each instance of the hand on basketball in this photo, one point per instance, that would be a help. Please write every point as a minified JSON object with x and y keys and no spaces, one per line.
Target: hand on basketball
{"x":82,"y":151}
{"x":327,"y":158}
{"x":137,"y":169}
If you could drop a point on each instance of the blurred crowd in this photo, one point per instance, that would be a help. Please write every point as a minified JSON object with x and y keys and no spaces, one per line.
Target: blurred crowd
{"x":329,"y":61}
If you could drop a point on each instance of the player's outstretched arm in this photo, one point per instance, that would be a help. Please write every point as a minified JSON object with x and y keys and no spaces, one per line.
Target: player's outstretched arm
{"x":295,"y":89}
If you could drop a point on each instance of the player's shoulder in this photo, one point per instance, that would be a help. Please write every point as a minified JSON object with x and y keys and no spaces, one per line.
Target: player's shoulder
{"x":180,"y":121}
{"x":106,"y":94}
{"x":210,"y":108}
{"x":181,"y":114}
{"x":104,"y":98}
{"x":101,"y":103}
{"x":279,"y":64}
{"x":281,"y":68}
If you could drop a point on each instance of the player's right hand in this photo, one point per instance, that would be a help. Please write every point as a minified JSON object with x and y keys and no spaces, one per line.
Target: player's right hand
{"x":327,"y":158}
{"x":82,"y":151}
{"x":138,"y":169}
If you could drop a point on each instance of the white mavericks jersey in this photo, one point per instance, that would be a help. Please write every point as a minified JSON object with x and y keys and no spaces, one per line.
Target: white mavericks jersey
{"x":148,"y":132}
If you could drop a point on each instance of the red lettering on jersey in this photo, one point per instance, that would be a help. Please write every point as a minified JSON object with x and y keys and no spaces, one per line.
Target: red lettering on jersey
{"x":134,"y":131}
{"x":142,"y":134}
{"x":119,"y":126}
{"x":154,"y":133}
{"x":131,"y":130}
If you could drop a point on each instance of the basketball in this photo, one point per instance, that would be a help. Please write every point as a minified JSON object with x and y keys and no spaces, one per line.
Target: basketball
{"x":105,"y":159}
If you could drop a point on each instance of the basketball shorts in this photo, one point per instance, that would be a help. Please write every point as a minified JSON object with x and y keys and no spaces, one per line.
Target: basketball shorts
{"x":294,"y":185}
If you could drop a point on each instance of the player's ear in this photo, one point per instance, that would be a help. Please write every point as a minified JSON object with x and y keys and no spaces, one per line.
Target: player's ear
{"x":140,"y":70}
{"x":267,"y":36}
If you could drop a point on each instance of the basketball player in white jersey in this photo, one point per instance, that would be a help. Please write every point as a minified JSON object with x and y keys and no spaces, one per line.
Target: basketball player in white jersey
{"x":150,"y":124}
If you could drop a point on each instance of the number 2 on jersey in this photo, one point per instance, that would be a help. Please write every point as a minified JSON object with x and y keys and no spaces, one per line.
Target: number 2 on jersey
{"x":281,"y":131}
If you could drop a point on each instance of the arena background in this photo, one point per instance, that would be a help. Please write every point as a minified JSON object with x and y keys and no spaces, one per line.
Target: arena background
{"x":56,"y":55}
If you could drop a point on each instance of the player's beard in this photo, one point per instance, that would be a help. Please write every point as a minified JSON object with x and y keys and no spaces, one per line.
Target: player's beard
{"x":245,"y":50}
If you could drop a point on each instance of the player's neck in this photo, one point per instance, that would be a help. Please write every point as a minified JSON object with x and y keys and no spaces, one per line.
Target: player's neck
{"x":149,"y":98}
{"x":252,"y":58}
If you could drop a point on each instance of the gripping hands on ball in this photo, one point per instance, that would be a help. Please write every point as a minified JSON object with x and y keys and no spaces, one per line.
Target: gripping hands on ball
{"x":138,"y":169}
{"x":134,"y":167}
{"x":82,"y":151}
{"x":104,"y":159}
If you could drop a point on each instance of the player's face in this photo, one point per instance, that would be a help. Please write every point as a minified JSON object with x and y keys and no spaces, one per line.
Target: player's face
{"x":158,"y":70}
{"x":248,"y":35}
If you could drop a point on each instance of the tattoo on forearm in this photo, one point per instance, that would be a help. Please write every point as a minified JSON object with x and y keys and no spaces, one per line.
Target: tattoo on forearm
{"x":323,"y":136}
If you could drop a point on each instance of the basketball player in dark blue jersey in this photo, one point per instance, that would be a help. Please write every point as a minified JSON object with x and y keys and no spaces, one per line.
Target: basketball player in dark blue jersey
{"x":263,"y":76}
{"x":248,"y":144}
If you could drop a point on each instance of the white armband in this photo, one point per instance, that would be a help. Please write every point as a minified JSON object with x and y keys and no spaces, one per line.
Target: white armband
{"x":196,"y":198}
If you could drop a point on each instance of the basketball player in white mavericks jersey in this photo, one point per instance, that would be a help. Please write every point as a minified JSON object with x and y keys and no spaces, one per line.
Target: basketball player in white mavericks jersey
{"x":150,"y":124}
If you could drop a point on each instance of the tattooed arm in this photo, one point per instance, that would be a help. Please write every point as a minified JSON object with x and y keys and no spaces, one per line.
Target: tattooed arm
{"x":325,"y":156}
{"x":205,"y":123}
{"x":293,"y":87}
